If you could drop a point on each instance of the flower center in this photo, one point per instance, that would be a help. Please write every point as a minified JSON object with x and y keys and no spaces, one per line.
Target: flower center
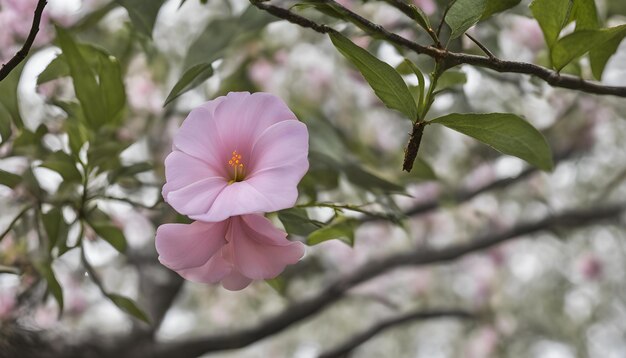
{"x":237,"y":164}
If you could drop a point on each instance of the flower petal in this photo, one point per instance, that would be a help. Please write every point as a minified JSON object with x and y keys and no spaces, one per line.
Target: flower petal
{"x":182,"y":246}
{"x":199,"y":137}
{"x":283,"y":144}
{"x":198,"y":197}
{"x":237,"y":199}
{"x":211,"y":272}
{"x":235,"y":281}
{"x":182,"y":170}
{"x":260,"y":251}
{"x":242,"y":117}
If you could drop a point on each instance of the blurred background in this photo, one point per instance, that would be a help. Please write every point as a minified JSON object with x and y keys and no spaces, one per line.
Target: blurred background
{"x":558,"y":292}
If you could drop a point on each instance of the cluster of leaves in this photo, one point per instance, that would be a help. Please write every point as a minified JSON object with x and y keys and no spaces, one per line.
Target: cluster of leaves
{"x":93,"y":152}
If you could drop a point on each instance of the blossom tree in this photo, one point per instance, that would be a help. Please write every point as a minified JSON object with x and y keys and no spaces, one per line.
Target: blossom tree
{"x":313,"y":178}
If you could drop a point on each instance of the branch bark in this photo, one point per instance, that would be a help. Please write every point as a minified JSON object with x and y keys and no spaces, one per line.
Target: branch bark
{"x":350,"y":344}
{"x":23,"y":52}
{"x":306,"y":308}
{"x":449,"y":58}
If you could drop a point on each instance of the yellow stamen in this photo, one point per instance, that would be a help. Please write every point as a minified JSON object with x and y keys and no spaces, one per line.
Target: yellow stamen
{"x":237,"y":163}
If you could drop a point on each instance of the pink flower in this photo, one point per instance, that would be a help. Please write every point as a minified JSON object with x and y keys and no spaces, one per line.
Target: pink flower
{"x":236,"y":155}
{"x":234,"y":251}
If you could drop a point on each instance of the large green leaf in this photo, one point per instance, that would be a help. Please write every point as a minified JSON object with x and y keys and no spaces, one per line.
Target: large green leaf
{"x":599,"y":56}
{"x":142,"y":13}
{"x":552,"y":16}
{"x":8,"y":94}
{"x":369,"y":181}
{"x":504,"y":132}
{"x":55,"y":226}
{"x":45,"y":269}
{"x":101,"y":224}
{"x":129,"y":306}
{"x":189,"y":80}
{"x":296,"y":221}
{"x":495,"y":6}
{"x":464,"y":14}
{"x":5,"y":124}
{"x":384,"y":79}
{"x":85,"y":83}
{"x":63,"y":164}
{"x":580,"y":42}
{"x":342,"y":229}
{"x":585,"y":14}
{"x":99,"y":88}
{"x":9,"y":179}
{"x":222,"y":34}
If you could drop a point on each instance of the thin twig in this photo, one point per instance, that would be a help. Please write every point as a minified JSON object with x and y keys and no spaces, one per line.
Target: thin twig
{"x":443,"y":17}
{"x":23,"y":52}
{"x":481,"y":46}
{"x":346,"y":347}
{"x":449,"y":58}
{"x":14,"y":221}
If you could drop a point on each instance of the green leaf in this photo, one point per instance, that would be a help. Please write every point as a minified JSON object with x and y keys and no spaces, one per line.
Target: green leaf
{"x":368,"y":181}
{"x":384,"y":80}
{"x":8,"y":93}
{"x":504,"y":132}
{"x":9,"y":179}
{"x":57,"y":68}
{"x":222,"y":34}
{"x":85,"y":84}
{"x":600,"y":55}
{"x":580,"y":42}
{"x":55,"y":226}
{"x":104,"y":154}
{"x":451,"y":79}
{"x":419,"y":16}
{"x":63,"y":164}
{"x":129,"y":171}
{"x":324,"y":8}
{"x":422,"y":170}
{"x":342,"y":229}
{"x":45,"y":269}
{"x":5,"y":124}
{"x":421,"y":83}
{"x":110,"y":233}
{"x":552,"y":16}
{"x":30,"y":144}
{"x":129,"y":306}
{"x":279,"y":284}
{"x":585,"y":14}
{"x":142,"y":13}
{"x":496,"y":6}
{"x":97,"y":81}
{"x":296,"y":221}
{"x":190,"y":79}
{"x":464,"y":14}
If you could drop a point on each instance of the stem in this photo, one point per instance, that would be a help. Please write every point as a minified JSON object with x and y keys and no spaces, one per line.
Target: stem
{"x":14,"y":221}
{"x":23,"y":52}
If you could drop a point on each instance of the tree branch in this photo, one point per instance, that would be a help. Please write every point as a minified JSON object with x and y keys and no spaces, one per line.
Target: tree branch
{"x":335,"y":291}
{"x":21,"y":54}
{"x":450,"y":59}
{"x":346,"y":347}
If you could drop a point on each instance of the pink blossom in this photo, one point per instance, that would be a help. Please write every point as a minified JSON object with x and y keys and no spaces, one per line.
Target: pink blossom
{"x":236,"y":155}
{"x":234,"y":251}
{"x":590,"y":266}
